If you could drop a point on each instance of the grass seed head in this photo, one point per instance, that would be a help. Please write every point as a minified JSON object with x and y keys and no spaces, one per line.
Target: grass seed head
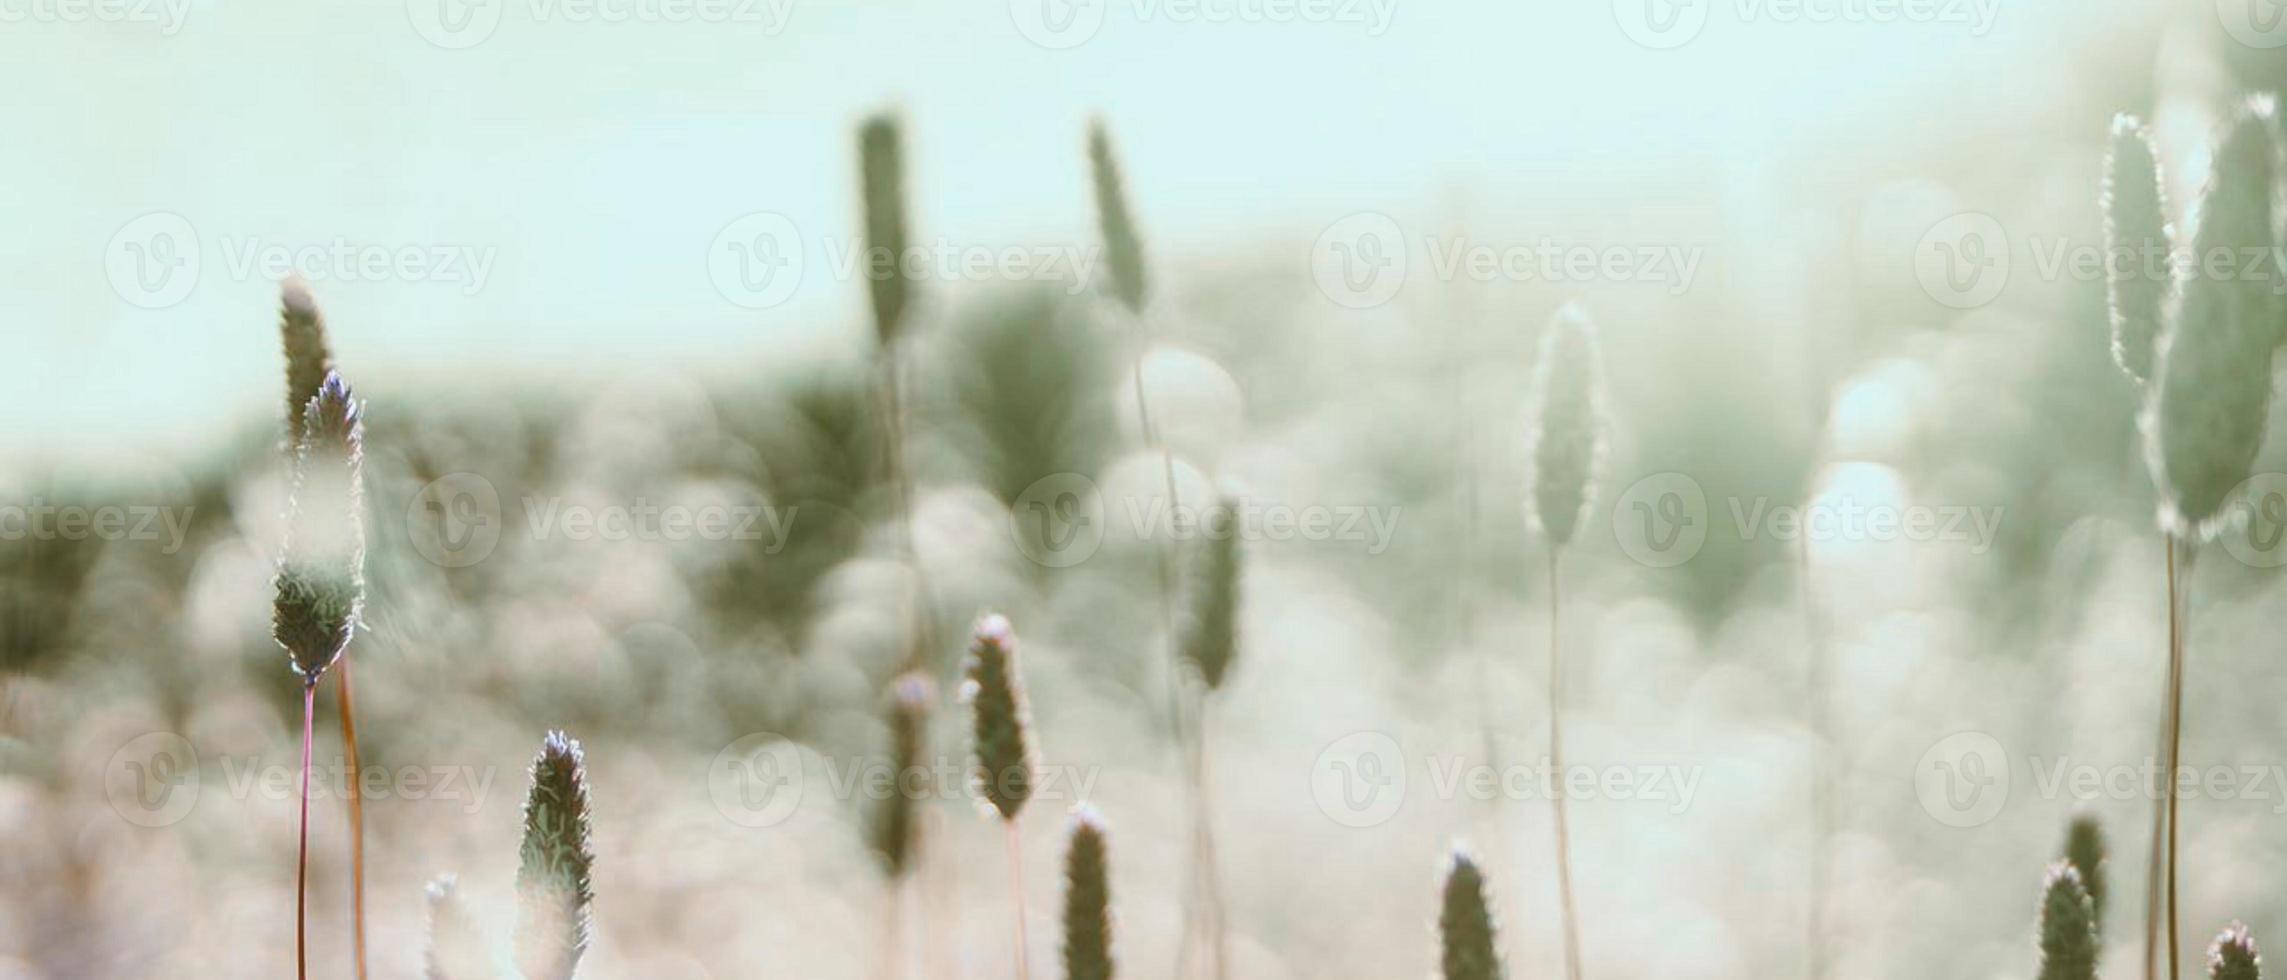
{"x":320,"y":584}
{"x":881,"y":172}
{"x":2068,"y":926}
{"x":456,"y":949}
{"x":1465,"y":924}
{"x":1123,"y":247}
{"x":553,"y":879}
{"x":2084,"y":847}
{"x":302,"y":331}
{"x":1565,"y":443}
{"x":1087,"y":900}
{"x":2136,"y":233}
{"x":995,"y":692}
{"x":2204,"y":421}
{"x":2233,"y":956}
{"x":1210,"y":627}
{"x":890,"y":832}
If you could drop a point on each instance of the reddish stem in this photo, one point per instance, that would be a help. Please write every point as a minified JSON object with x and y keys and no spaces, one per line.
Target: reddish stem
{"x":302,"y":854}
{"x":356,"y":820}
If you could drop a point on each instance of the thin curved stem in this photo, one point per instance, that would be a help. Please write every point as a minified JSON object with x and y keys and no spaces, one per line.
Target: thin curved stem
{"x":1556,"y":765}
{"x":356,"y":818}
{"x":1016,"y":890}
{"x":302,"y":853}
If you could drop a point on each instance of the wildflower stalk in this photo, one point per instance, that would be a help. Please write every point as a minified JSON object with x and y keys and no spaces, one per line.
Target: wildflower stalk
{"x":2210,"y":397}
{"x":881,"y":171}
{"x":1566,"y":448}
{"x":1123,"y":248}
{"x":302,"y":849}
{"x":2233,"y":956}
{"x":1003,"y":770}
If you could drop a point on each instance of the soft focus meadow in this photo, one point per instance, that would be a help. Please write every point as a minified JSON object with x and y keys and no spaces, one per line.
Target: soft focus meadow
{"x":1867,"y":601}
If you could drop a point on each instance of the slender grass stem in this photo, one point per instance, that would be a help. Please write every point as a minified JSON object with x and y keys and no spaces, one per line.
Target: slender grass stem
{"x":302,"y":852}
{"x":1815,"y":682}
{"x":1556,"y":765}
{"x":356,"y":818}
{"x":2158,"y":901}
{"x":1016,"y":890}
{"x":2179,"y":614}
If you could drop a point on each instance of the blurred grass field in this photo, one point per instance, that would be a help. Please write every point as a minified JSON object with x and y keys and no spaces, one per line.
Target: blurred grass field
{"x":1806,"y":361}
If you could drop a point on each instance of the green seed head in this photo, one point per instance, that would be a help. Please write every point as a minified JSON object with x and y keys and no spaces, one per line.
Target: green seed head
{"x":320,"y":584}
{"x":554,"y":877}
{"x":1123,"y":247}
{"x":1210,"y":639}
{"x":1465,"y":924}
{"x":1565,"y":444}
{"x":2068,"y":927}
{"x":1087,"y":901}
{"x":2084,"y":848}
{"x":2204,"y":422}
{"x":995,"y":692}
{"x":2137,"y":237}
{"x":2233,"y":956}
{"x":881,"y":171}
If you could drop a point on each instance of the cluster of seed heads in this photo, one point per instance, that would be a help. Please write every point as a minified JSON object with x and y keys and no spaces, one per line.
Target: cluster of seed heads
{"x":1123,"y":247}
{"x":2233,"y":956}
{"x":1210,"y":639}
{"x":892,"y":829}
{"x":881,"y":171}
{"x":2068,"y":926}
